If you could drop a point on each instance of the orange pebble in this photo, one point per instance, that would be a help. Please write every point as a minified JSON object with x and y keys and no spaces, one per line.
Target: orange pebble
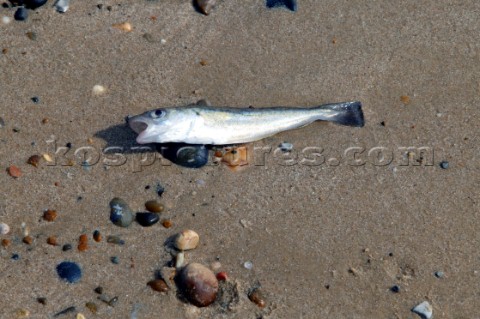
{"x":167,"y":223}
{"x":5,"y":242}
{"x":50,"y":215}
{"x":52,"y":240}
{"x":14,"y":171}
{"x":28,"y":240}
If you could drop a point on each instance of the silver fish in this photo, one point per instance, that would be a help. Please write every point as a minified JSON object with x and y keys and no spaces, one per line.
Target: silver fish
{"x":222,"y":126}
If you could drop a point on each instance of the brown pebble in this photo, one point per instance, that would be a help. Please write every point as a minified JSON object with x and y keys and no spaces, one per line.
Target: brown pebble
{"x":52,"y":240}
{"x":82,"y":242}
{"x":205,"y":6}
{"x":14,"y":171}
{"x":31,"y":35}
{"x":28,"y":240}
{"x":203,"y":62}
{"x":158,"y":285}
{"x":126,"y":26}
{"x":92,"y":307}
{"x":56,"y":184}
{"x":5,"y":242}
{"x":34,"y":160}
{"x":97,"y":236}
{"x":4,"y":51}
{"x":154,"y":206}
{"x":50,"y":215}
{"x":334,"y":40}
{"x":167,"y":223}
{"x":405,"y":99}
{"x":45,"y":121}
{"x":257,"y":298}
{"x":198,"y":284}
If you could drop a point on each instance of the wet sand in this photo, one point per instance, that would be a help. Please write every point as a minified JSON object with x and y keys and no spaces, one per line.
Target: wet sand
{"x":326,"y":240}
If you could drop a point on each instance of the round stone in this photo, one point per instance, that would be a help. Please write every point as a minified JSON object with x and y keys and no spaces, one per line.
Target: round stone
{"x":154,"y":206}
{"x":186,"y":240}
{"x":198,"y":284}
{"x":69,"y":271}
{"x":147,"y":219}
{"x":21,"y":14}
{"x":4,"y":229}
{"x":120,"y":213}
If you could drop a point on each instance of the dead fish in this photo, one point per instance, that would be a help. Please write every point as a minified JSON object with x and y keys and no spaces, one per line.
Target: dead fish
{"x":223,"y":125}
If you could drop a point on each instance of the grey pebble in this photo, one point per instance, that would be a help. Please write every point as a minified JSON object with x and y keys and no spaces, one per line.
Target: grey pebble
{"x":286,"y":147}
{"x":65,"y":311}
{"x":115,"y":240}
{"x":66,"y":247}
{"x":62,"y":5}
{"x":2,"y":122}
{"x":444,"y":165}
{"x":439,"y":274}
{"x":115,"y":260}
{"x":120,"y":213}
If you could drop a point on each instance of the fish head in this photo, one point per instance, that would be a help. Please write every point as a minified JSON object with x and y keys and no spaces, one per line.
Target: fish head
{"x":159,"y":125}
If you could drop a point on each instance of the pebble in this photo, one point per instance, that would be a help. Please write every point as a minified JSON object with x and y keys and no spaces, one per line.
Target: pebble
{"x":34,"y":99}
{"x":154,"y":206}
{"x":82,"y":243}
{"x":5,"y":242}
{"x":115,"y":260}
{"x":34,"y":160}
{"x":120,"y":213}
{"x":205,"y":6}
{"x":248,"y":265}
{"x":65,"y":311}
{"x":99,"y":290}
{"x":4,"y":229}
{"x":69,"y":271}
{"x":395,"y":289}
{"x":186,"y":240}
{"x":14,"y":171}
{"x":66,"y":247}
{"x":50,"y":215}
{"x":222,"y":276}
{"x":439,"y":274}
{"x":98,"y":90}
{"x":444,"y":165}
{"x":27,"y":240}
{"x":289,"y":4}
{"x":42,"y":300}
{"x":80,"y":316}
{"x":2,"y":122}
{"x":52,"y":240}
{"x":6,"y":20}
{"x":424,"y":310}
{"x":92,"y":307}
{"x":62,"y":5}
{"x":32,"y":36}
{"x":191,"y":156}
{"x":286,"y":147}
{"x":125,"y":26}
{"x":22,"y":313}
{"x":97,"y":236}
{"x":257,"y":298}
{"x":405,"y":99}
{"x":115,"y":240}
{"x":15,"y":256}
{"x":158,"y":285}
{"x":160,"y":190}
{"x":21,"y":14}
{"x":147,"y":219}
{"x":236,"y":157}
{"x":34,"y":4}
{"x":167,"y":223}
{"x":198,"y":284}
{"x":180,"y":260}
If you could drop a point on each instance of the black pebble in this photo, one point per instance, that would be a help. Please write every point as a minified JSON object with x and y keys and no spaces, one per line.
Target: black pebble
{"x":147,"y":219}
{"x":444,"y":165}
{"x":395,"y":289}
{"x":65,"y":311}
{"x":33,"y":4}
{"x":160,"y":190}
{"x":15,"y":257}
{"x":21,"y":14}
{"x":69,"y":145}
{"x":66,"y":247}
{"x":186,"y":155}
{"x":42,"y":300}
{"x":147,"y":187}
{"x":35,"y":99}
{"x":115,"y":260}
{"x":69,"y":271}
{"x":289,"y":4}
{"x":99,"y":290}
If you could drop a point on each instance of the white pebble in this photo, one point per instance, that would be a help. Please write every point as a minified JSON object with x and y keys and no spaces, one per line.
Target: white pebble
{"x":186,"y":240}
{"x":98,"y":89}
{"x":286,"y":147}
{"x":163,"y":41}
{"x":6,"y":20}
{"x":248,"y":265}
{"x":4,"y":229}
{"x":62,"y":5}
{"x":424,"y":310}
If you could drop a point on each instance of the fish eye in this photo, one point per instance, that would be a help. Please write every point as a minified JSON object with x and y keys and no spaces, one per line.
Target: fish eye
{"x":157,"y":113}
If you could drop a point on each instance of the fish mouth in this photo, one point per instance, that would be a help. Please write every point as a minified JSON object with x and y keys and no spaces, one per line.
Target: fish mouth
{"x":137,"y":126}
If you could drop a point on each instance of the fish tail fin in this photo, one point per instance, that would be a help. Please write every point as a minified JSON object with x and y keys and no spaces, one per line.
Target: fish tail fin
{"x":346,"y":113}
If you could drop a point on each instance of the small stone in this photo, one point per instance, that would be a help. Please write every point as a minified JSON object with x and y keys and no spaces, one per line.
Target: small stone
{"x":115,"y":260}
{"x":62,"y":5}
{"x":69,"y":271}
{"x":286,"y":147}
{"x":198,"y":284}
{"x":92,"y":307}
{"x":99,"y":290}
{"x":257,"y":298}
{"x":125,"y":26}
{"x":15,"y":256}
{"x":80,"y":316}
{"x":424,"y":310}
{"x":47,"y":157}
{"x":149,"y":37}
{"x":21,"y":14}
{"x":5,"y":242}
{"x":98,"y":90}
{"x":52,"y":240}
{"x":205,"y":6}
{"x":34,"y":160}
{"x":50,"y":215}
{"x":167,"y":223}
{"x":120,"y":213}
{"x":82,"y":243}
{"x":34,"y":4}
{"x":115,"y":240}
{"x":444,"y":165}
{"x":32,"y":36}
{"x":439,"y":274}
{"x":65,"y":311}
{"x":289,"y":4}
{"x":27,"y":240}
{"x":14,"y":171}
{"x":66,"y":247}
{"x":42,"y":300}
{"x":22,"y":313}
{"x":158,"y":285}
{"x":4,"y":229}
{"x":395,"y":289}
{"x":186,"y":240}
{"x":97,"y":236}
{"x":222,"y":276}
{"x":248,"y":265}
{"x":6,"y":20}
{"x":180,"y":260}
{"x":405,"y":99}
{"x":154,"y":206}
{"x":2,"y":122}
{"x":203,"y":62}
{"x":147,"y":219}
{"x":160,"y":190}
